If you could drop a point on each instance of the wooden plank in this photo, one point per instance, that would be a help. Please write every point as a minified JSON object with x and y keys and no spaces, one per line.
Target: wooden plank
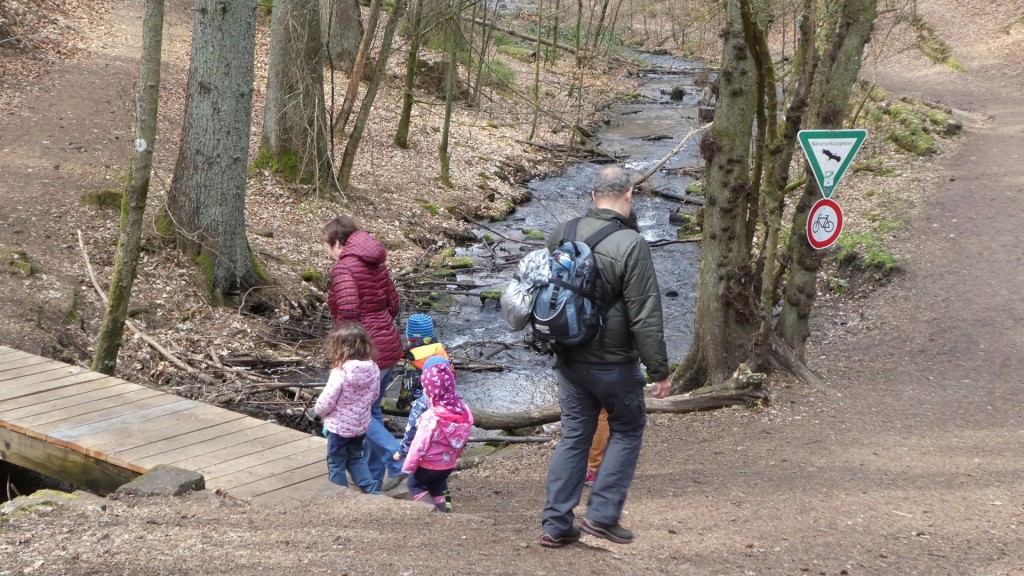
{"x":11,"y":355}
{"x":44,"y":381}
{"x":7,"y":354}
{"x":183,"y":455}
{"x":150,"y":442}
{"x":46,"y":404}
{"x":61,"y":462}
{"x":79,"y":384}
{"x":29,"y":366}
{"x":273,"y":475}
{"x":278,"y":436}
{"x":114,"y":438}
{"x":77,"y":415}
{"x":269,"y":455}
{"x":15,"y":363}
{"x":137,"y":412}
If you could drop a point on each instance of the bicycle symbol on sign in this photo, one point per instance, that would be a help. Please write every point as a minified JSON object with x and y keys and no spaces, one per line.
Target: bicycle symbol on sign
{"x":822,"y":222}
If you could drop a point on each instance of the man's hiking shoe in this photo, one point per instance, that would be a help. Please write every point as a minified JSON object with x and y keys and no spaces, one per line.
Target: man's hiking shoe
{"x":549,"y":541}
{"x":591,"y":477}
{"x":615,"y":532}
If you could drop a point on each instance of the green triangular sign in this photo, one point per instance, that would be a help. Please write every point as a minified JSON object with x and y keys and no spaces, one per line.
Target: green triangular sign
{"x":830,"y":153}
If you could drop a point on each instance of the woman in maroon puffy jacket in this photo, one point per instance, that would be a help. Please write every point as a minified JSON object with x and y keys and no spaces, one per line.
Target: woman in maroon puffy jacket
{"x":362,"y":291}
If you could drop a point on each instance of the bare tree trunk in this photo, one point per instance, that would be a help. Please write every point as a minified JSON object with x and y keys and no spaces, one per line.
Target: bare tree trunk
{"x":553,"y":54}
{"x":342,"y":22}
{"x":412,"y":61}
{"x":294,"y":124}
{"x":487,"y":30}
{"x":449,"y":91}
{"x":577,"y":36}
{"x":726,"y":317}
{"x":830,"y":97}
{"x":536,"y":70}
{"x":348,"y":159}
{"x":206,"y":201}
{"x":133,"y":206}
{"x":356,"y":76}
{"x":599,"y":27}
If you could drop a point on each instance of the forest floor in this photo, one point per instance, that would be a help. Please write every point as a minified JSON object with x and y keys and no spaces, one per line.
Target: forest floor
{"x":907,"y":462}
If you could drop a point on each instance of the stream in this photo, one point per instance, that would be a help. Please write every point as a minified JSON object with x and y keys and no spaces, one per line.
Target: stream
{"x":641,"y":132}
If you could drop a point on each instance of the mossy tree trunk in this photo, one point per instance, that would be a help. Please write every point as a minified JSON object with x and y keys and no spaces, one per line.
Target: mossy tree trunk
{"x":779,"y":150}
{"x":726,"y":316}
{"x":737,"y":293}
{"x":342,"y":23}
{"x":206,"y":200}
{"x":294,"y":143}
{"x":849,"y":31}
{"x":452,"y":45}
{"x":133,"y":206}
{"x":412,"y":62}
{"x":348,"y":159}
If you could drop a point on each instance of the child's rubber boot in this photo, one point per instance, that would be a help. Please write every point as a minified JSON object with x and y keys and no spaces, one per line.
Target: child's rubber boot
{"x":439,"y":503}
{"x":447,"y":501}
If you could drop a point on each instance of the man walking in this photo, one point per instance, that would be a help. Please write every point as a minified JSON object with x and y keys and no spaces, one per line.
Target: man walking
{"x":605,"y":373}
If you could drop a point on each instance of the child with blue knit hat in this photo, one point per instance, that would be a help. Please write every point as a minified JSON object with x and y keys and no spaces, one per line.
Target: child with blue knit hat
{"x":421,"y":345}
{"x":422,"y":349}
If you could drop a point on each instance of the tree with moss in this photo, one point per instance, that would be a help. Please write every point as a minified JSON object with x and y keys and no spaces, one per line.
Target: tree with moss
{"x":133,"y":205}
{"x":849,"y":31}
{"x":294,"y":143}
{"x":206,"y":200}
{"x":747,"y":154}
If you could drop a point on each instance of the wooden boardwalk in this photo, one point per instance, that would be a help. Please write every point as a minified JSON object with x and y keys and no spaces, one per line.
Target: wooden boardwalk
{"x":98,"y":432}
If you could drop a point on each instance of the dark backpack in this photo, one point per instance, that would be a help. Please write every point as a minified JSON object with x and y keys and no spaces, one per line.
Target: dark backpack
{"x":566,"y":311}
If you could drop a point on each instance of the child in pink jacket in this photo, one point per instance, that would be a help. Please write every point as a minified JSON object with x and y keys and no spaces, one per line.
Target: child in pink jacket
{"x":440,"y":436}
{"x":345,"y":404}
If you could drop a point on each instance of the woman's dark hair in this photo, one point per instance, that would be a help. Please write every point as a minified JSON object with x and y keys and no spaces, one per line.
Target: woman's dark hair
{"x":339,"y":229}
{"x":349,"y":341}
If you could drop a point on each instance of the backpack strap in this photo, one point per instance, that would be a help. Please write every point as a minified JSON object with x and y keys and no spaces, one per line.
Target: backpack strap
{"x":603,"y":306}
{"x":569,"y":232}
{"x":602,"y":233}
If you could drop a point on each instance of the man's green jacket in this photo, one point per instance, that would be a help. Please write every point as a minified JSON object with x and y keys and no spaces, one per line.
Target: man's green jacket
{"x":635,"y":328}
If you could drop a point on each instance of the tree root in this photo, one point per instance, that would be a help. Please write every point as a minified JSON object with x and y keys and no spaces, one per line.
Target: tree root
{"x":785,"y":358}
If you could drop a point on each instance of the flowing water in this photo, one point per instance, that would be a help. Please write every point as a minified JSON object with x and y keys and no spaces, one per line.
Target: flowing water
{"x":641,"y":132}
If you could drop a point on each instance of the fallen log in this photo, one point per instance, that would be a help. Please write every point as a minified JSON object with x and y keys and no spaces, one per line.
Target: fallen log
{"x":731,"y":393}
{"x":520,"y":35}
{"x":510,"y":439}
{"x":657,"y":165}
{"x":706,"y":399}
{"x":680,"y":196}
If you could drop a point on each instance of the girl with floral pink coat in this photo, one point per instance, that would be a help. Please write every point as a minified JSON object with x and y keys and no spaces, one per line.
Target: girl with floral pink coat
{"x":440,"y":436}
{"x":346,"y":402}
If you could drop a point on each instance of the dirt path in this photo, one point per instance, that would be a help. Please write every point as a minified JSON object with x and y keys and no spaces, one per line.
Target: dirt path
{"x":65,"y":133}
{"x":909,"y":463}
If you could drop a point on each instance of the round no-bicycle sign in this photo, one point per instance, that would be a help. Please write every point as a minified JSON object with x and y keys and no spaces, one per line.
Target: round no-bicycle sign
{"x":824,"y":223}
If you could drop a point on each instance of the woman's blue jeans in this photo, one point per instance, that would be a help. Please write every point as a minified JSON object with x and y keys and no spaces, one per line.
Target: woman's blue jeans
{"x":381,"y":445}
